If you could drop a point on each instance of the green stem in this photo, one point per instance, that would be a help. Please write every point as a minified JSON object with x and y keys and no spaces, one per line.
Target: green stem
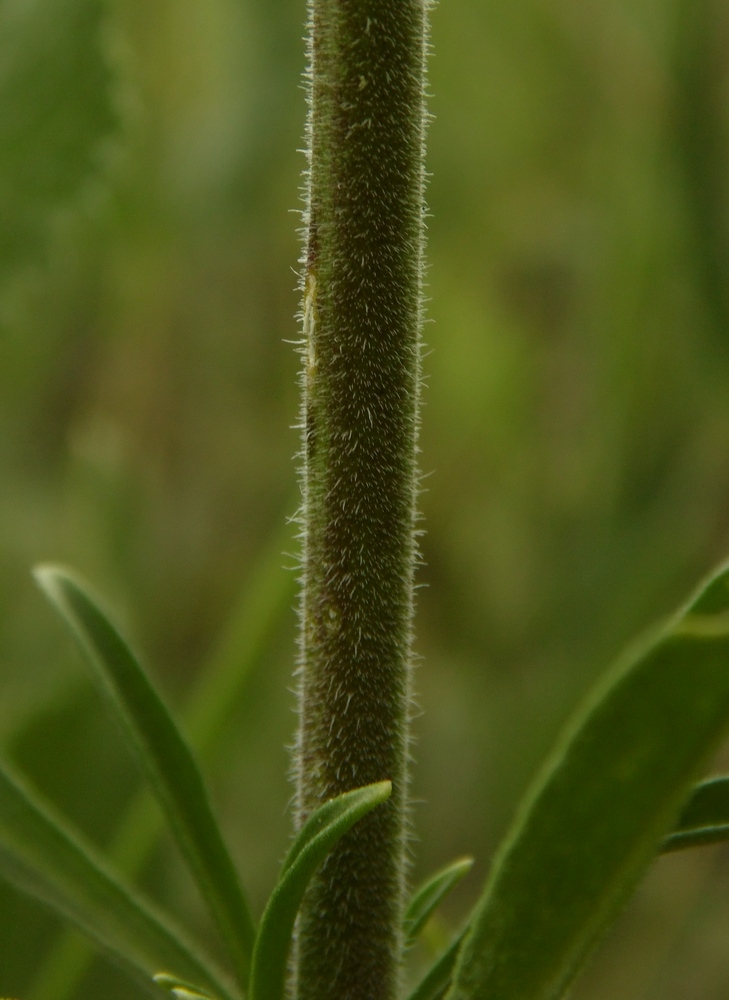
{"x":362,"y":317}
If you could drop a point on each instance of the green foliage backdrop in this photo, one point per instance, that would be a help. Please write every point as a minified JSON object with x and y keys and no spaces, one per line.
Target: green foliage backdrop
{"x":576,"y":421}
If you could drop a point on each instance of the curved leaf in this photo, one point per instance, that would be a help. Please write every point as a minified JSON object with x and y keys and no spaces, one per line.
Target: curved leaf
{"x":164,"y":756}
{"x":315,"y":840}
{"x":704,"y":818}
{"x":41,"y":856}
{"x":598,"y":811}
{"x":428,"y":896}
{"x":265,"y":596}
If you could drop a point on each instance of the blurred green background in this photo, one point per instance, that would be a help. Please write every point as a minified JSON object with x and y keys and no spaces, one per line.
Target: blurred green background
{"x":575,"y":431}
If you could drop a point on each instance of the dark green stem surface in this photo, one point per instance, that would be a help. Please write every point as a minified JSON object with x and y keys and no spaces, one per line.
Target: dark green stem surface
{"x":362,"y":305}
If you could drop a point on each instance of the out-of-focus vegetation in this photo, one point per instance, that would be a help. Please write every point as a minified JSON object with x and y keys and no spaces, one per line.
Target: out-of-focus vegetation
{"x":576,"y":421}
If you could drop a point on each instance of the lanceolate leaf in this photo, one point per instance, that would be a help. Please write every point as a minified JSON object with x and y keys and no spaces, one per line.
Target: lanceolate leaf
{"x":427,"y":898}
{"x":315,"y":840}
{"x":598,"y":811}
{"x":704,"y":818}
{"x":41,"y":856}
{"x":266,"y":596}
{"x":164,"y":756}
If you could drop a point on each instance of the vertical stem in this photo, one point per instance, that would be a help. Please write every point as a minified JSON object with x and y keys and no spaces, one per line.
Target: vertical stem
{"x":362,"y":317}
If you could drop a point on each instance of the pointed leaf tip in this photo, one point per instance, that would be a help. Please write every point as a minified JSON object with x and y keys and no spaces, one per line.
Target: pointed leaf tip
{"x":163,"y":755}
{"x":713,"y":597}
{"x":704,"y":818}
{"x":315,"y":840}
{"x":430,"y":894}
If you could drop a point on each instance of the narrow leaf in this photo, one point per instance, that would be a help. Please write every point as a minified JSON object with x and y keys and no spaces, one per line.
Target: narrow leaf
{"x":428,"y":897}
{"x":315,"y":840}
{"x":40,"y":855}
{"x":264,"y":598}
{"x":164,"y":756}
{"x":598,"y":811}
{"x":437,"y":979}
{"x":704,"y":818}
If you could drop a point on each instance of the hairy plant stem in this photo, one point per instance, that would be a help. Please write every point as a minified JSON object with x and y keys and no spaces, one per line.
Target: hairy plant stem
{"x":362,"y":316}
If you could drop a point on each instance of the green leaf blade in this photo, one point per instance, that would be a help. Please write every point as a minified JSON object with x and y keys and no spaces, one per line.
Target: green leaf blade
{"x":429,"y":895}
{"x":596,"y":814}
{"x":41,"y":856}
{"x":315,"y":840}
{"x":704,"y":818}
{"x":163,"y":755}
{"x":265,"y":597}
